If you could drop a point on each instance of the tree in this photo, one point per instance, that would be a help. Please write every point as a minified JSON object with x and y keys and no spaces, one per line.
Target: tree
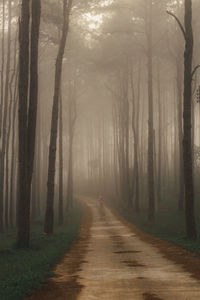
{"x":135,"y":135}
{"x":4,"y":105}
{"x":6,"y":118}
{"x":2,"y":71}
{"x":14,"y":98}
{"x":60,"y":204}
{"x":28,"y":95}
{"x":72,"y":115}
{"x":151,"y":190}
{"x":33,"y":89}
{"x":187,"y":133}
{"x":187,"y":120}
{"x":49,"y":215}
{"x":23,"y":203}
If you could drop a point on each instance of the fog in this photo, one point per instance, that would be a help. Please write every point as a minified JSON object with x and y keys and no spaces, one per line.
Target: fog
{"x":99,"y":100}
{"x":123,"y":65}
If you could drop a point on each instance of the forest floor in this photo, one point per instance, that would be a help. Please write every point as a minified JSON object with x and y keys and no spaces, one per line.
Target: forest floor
{"x":113,"y":260}
{"x":169,"y":224}
{"x":21,"y":270}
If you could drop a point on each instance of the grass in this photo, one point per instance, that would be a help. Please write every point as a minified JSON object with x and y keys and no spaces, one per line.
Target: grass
{"x":169,"y":225}
{"x":22,"y":271}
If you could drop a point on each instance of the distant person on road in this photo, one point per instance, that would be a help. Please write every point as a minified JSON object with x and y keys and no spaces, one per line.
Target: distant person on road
{"x":100,"y":200}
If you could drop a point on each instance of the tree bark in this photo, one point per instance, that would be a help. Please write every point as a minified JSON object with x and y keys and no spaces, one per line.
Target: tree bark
{"x":151,"y":191}
{"x":2,"y":68}
{"x":180,"y":135}
{"x":136,"y":162}
{"x":72,"y":120}
{"x":187,"y":123}
{"x":14,"y":97}
{"x":49,"y":215}
{"x":60,"y":203}
{"x":27,"y":113}
{"x":159,"y":136}
{"x":23,"y":209}
{"x":33,"y":89}
{"x":5,"y":137}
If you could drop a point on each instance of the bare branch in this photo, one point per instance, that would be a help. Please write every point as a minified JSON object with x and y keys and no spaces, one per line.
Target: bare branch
{"x":179,"y":23}
{"x":195,"y":69}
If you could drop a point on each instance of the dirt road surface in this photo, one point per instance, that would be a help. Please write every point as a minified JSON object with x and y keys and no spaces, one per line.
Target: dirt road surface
{"x":110,"y":261}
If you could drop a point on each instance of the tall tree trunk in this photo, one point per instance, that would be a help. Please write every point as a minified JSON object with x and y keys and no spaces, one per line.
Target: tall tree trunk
{"x":27,"y":113}
{"x":70,"y":177}
{"x":137,"y":132}
{"x":4,"y":125}
{"x":151,"y":191}
{"x":23,"y":203}
{"x":13,"y":191}
{"x":33,"y":194}
{"x":115,"y":146}
{"x":72,"y":120}
{"x":123,"y":127}
{"x":33,"y":90}
{"x":14,"y":97}
{"x":2,"y":69}
{"x":13,"y":158}
{"x":39,"y":174}
{"x":7,"y":204}
{"x":136,"y":163}
{"x":49,"y":216}
{"x":187,"y":122}
{"x":180,"y":134}
{"x":159,"y":135}
{"x":60,"y":203}
{"x":7,"y":119}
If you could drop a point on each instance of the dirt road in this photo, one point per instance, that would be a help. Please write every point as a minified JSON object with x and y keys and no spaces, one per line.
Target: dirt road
{"x":114,"y":263}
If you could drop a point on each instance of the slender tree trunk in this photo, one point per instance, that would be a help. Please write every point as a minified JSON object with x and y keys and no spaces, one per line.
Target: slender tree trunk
{"x":7,"y":204}
{"x":72,"y":121}
{"x":151,"y":191}
{"x":33,"y":90}
{"x":115,"y":169}
{"x":70,"y":177}
{"x":123,"y":150}
{"x":14,"y":97}
{"x":27,"y":113}
{"x":6,"y":127}
{"x":136,"y":163}
{"x":13,"y":192}
{"x":180,"y":134}
{"x":159,"y":135}
{"x":2,"y":70}
{"x":127,"y":168}
{"x":142,"y":151}
{"x":60,"y":204}
{"x":33,"y":194}
{"x":49,"y":216}
{"x":39,"y":175}
{"x":23,"y":209}
{"x":187,"y":123}
{"x":137,"y":133}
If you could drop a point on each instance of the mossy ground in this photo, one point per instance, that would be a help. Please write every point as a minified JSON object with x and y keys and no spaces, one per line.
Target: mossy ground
{"x":169,"y":225}
{"x":22,"y":271}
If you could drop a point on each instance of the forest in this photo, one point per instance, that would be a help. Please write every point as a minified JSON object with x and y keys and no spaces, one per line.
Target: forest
{"x":99,"y":149}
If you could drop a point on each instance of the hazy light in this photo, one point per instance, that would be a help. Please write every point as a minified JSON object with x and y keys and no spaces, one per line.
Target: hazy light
{"x":106,"y":3}
{"x":94,"y":21}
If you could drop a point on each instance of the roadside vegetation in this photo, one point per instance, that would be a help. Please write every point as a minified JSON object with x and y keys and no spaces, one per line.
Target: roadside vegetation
{"x":24,"y":270}
{"x":169,"y":224}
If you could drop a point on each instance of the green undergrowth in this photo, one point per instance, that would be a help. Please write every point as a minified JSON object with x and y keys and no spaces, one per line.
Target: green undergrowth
{"x":22,"y":271}
{"x":169,"y":225}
